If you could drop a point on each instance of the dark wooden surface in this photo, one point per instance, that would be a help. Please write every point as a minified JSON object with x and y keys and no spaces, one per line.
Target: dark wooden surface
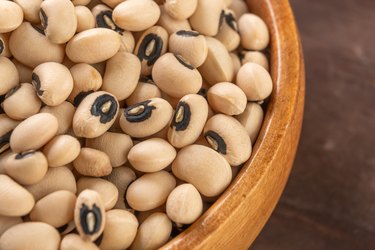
{"x":329,"y":202}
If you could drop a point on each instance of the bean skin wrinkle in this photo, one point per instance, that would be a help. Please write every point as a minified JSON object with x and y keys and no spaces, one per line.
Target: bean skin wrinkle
{"x":181,"y":117}
{"x":150,"y":39}
{"x":216,"y":141}
{"x":90,"y":219}
{"x":139,"y":112}
{"x":104,"y":106}
{"x":229,"y":19}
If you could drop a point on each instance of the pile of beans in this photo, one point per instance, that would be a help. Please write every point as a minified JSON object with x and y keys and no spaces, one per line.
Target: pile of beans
{"x":122,"y":121}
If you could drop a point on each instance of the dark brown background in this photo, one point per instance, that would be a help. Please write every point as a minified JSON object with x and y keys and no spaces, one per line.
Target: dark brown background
{"x":329,"y":202}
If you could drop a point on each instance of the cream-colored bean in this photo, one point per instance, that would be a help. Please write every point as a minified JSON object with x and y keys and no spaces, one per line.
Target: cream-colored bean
{"x":180,"y":9}
{"x":85,"y":19}
{"x":228,"y":31}
{"x":92,"y":162}
{"x":170,"y":24}
{"x":103,"y":18}
{"x":24,"y":72}
{"x":236,"y":64}
{"x":254,"y":32}
{"x":75,"y":242}
{"x":150,"y":190}
{"x":61,"y":150}
{"x":4,"y":45}
{"x":252,"y":119}
{"x":30,"y":9}
{"x":8,"y":222}
{"x":206,"y":17}
{"x":127,"y":42}
{"x":143,"y":91}
{"x":3,"y":158}
{"x":9,"y":75}
{"x":239,"y":7}
{"x":11,"y":16}
{"x":64,"y":114}
{"x":255,"y":57}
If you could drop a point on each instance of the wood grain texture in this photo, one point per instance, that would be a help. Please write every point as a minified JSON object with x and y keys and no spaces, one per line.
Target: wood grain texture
{"x":235,"y":220}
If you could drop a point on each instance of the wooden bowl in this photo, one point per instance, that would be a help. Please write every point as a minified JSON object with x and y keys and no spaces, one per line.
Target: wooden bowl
{"x":237,"y":217}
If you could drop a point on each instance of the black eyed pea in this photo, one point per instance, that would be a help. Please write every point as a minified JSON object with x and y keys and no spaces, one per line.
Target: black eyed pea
{"x":239,"y":7}
{"x":9,"y":75}
{"x":24,"y":72}
{"x":30,"y":9}
{"x":8,"y":222}
{"x":92,"y":162}
{"x":34,"y":132}
{"x":143,"y":91}
{"x":26,"y":168}
{"x":150,"y":47}
{"x":4,"y":45}
{"x":218,"y":66}
{"x":86,"y":80}
{"x":61,"y":150}
{"x":255,"y":81}
{"x":37,"y":235}
{"x":175,"y":76}
{"x":84,"y":46}
{"x":150,"y":190}
{"x":56,"y":179}
{"x":115,"y":145}
{"x":252,"y":119}
{"x":136,"y":15}
{"x":95,"y":115}
{"x":56,"y":209}
{"x":127,"y":42}
{"x":180,"y":9}
{"x":228,"y":30}
{"x":53,"y":83}
{"x":188,"y":121}
{"x":21,"y":102}
{"x":170,"y":24}
{"x":121,"y":177}
{"x":152,"y":155}
{"x":208,"y":171}
{"x":58,"y":20}
{"x":29,"y":45}
{"x":120,"y":230}
{"x":107,"y":190}
{"x":189,"y":44}
{"x":206,"y":18}
{"x":254,"y":32}
{"x":103,"y":18}
{"x":147,"y":237}
{"x":236,"y":64}
{"x":184,"y":204}
{"x":11,"y":16}
{"x":121,"y":75}
{"x":11,"y":193}
{"x":6,"y":129}
{"x":254,"y":57}
{"x":80,"y":2}
{"x":64,"y":114}
{"x":227,"y":98}
{"x":146,"y":118}
{"x":228,"y":137}
{"x":85,"y":19}
{"x":75,"y":242}
{"x":89,"y":215}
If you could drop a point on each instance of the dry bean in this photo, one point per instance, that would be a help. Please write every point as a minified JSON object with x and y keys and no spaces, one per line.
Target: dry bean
{"x":56,"y":179}
{"x":34,"y":235}
{"x":74,"y":242}
{"x":64,"y":114}
{"x":81,"y":2}
{"x":26,"y":168}
{"x":30,"y":9}
{"x":175,"y":76}
{"x":227,"y":98}
{"x":188,"y":121}
{"x":208,"y":171}
{"x":89,"y":215}
{"x":254,"y":32}
{"x":146,"y":118}
{"x":11,"y":16}
{"x":239,"y":7}
{"x":119,"y":231}
{"x":189,"y":44}
{"x":29,"y":45}
{"x":24,"y":72}
{"x":8,"y":222}
{"x":121,"y":75}
{"x":9,"y":75}
{"x":21,"y":102}
{"x":92,"y":162}
{"x":150,"y":190}
{"x":33,"y":133}
{"x":252,"y":119}
{"x":150,"y":47}
{"x":206,"y":17}
{"x":95,"y":115}
{"x":85,"y":48}
{"x":56,"y":209}
{"x":136,"y":15}
{"x":58,"y":20}
{"x":85,"y":19}
{"x":143,"y":91}
{"x":228,"y":137}
{"x":228,"y":30}
{"x":127,"y":42}
{"x":147,"y":237}
{"x":255,"y":81}
{"x":184,"y":204}
{"x":255,"y":57}
{"x":180,"y":9}
{"x":115,"y":145}
{"x":61,"y":150}
{"x":218,"y":66}
{"x":4,"y":45}
{"x":6,"y":129}
{"x":103,"y":18}
{"x":152,"y":155}
{"x":236,"y":64}
{"x":170,"y":24}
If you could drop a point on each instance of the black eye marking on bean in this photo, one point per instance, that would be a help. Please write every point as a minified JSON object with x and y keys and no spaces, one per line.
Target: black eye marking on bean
{"x":4,"y":140}
{"x":229,"y":19}
{"x":216,"y":141}
{"x":139,"y":112}
{"x":12,"y":91}
{"x":97,"y":216}
{"x":103,"y":17}
{"x":36,"y":82}
{"x":181,"y":118}
{"x":187,"y":33}
{"x":2,"y":98}
{"x":79,"y":98}
{"x":109,"y":113}
{"x":184,"y":62}
{"x":99,"y":240}
{"x":38,"y":29}
{"x":1,"y":46}
{"x":24,"y":155}
{"x":156,"y":51}
{"x":43,"y":18}
{"x":62,"y":228}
